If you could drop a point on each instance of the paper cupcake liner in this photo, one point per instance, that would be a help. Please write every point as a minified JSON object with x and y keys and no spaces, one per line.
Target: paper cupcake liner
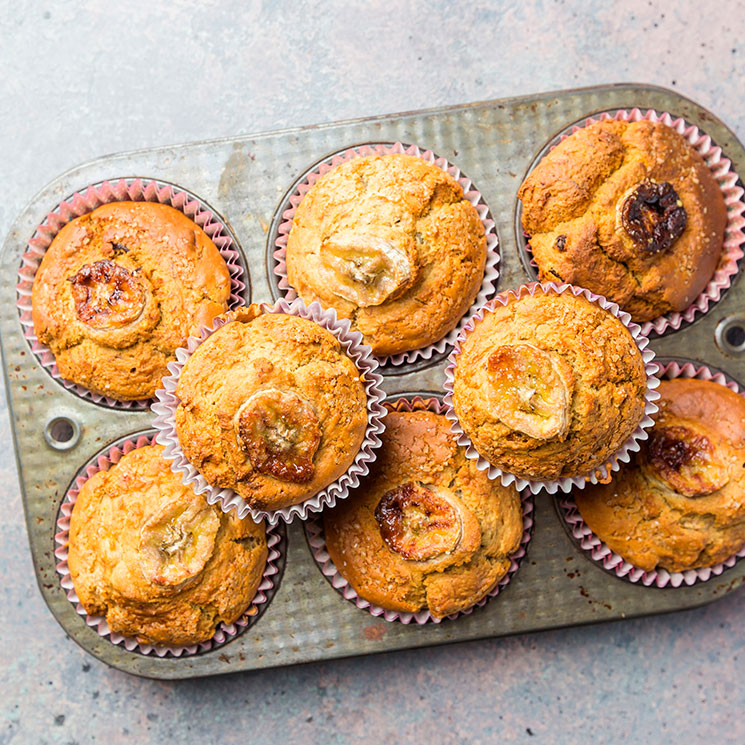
{"x":724,"y":175}
{"x":317,"y":542}
{"x":224,"y":633}
{"x":167,"y":402}
{"x":602,"y":554}
{"x":622,"y":455}
{"x":87,"y":200}
{"x":491,"y":269}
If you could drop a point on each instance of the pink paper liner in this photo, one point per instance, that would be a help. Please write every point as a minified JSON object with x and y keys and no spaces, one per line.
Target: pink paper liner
{"x":317,"y":543}
{"x":87,"y":200}
{"x":602,"y":554}
{"x":225,"y":632}
{"x":167,"y":402}
{"x":491,"y":268}
{"x":725,"y":176}
{"x":622,"y":455}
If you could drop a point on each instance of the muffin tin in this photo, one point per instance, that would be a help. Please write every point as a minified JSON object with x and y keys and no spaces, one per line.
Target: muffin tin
{"x":245,"y":180}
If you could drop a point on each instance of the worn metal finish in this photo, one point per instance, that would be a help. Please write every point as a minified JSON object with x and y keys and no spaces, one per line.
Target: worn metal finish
{"x":244,"y":179}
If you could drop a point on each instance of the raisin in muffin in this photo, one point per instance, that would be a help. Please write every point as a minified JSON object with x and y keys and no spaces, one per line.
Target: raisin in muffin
{"x":680,"y":503}
{"x":390,"y":243}
{"x":271,"y":407}
{"x":549,"y":385}
{"x":425,"y":530}
{"x":120,"y":289}
{"x":629,"y":210}
{"x":155,"y":559}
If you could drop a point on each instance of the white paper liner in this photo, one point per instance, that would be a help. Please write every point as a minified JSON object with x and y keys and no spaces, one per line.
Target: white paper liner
{"x":224,"y":633}
{"x":725,"y":176}
{"x":317,"y":542}
{"x":601,"y":553}
{"x":491,"y":268}
{"x":622,"y":455}
{"x":167,"y":402}
{"x":87,"y":200}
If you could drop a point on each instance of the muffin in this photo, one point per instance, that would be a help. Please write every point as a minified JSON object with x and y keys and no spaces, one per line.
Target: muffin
{"x":271,"y":407}
{"x":628,"y":210}
{"x":425,"y":530}
{"x":155,"y":559}
{"x":391,"y":244}
{"x":120,"y":289}
{"x":549,"y":385}
{"x":680,"y":503}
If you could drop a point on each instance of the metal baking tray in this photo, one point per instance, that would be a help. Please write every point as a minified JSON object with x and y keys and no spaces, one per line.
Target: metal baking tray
{"x":244,"y":179}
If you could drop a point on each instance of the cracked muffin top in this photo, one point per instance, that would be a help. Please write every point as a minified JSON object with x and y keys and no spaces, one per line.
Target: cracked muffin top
{"x":271,"y":407}
{"x":425,"y":530}
{"x":120,"y":289}
{"x":155,"y":559}
{"x":628,"y":210}
{"x":391,"y":244}
{"x":549,"y":386}
{"x":680,"y":503}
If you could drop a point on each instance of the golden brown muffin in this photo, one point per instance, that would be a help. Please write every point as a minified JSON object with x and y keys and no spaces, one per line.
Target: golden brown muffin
{"x":680,"y":503}
{"x":271,"y":407}
{"x":629,"y":210}
{"x":392,"y":245}
{"x":120,"y":289}
{"x":155,"y":559}
{"x":549,"y":386}
{"x":426,"y":530}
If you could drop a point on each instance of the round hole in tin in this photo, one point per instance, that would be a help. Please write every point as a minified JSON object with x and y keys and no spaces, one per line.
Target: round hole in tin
{"x":62,"y":433}
{"x":730,"y":334}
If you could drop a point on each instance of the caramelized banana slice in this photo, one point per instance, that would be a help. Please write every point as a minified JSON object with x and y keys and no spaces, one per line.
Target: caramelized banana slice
{"x":689,"y":462}
{"x":419,"y":522}
{"x":368,"y":269}
{"x":106,"y":295}
{"x":280,"y":433}
{"x":531,"y":390}
{"x":177,"y":541}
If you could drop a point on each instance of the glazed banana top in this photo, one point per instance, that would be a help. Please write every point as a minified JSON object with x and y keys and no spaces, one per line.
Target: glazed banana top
{"x":120,"y":289}
{"x":549,"y":386}
{"x":680,"y":504}
{"x":272,"y":407}
{"x":390,"y":243}
{"x":154,"y":558}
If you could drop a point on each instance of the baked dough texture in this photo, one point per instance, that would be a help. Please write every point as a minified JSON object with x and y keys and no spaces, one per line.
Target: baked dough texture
{"x":120,"y":289}
{"x":680,"y":503}
{"x":389,"y":242}
{"x":155,"y":559}
{"x":271,"y":407}
{"x":458,"y":527}
{"x":644,"y":254}
{"x":549,"y":386}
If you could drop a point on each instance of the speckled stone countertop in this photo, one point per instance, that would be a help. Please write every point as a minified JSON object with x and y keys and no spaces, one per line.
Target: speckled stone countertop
{"x":82,"y":78}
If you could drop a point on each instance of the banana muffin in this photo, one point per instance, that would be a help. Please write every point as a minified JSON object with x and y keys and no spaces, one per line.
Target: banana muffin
{"x":680,"y":503}
{"x":628,"y":210}
{"x":425,"y":530}
{"x":120,"y":289}
{"x":391,"y":244}
{"x":271,"y":407}
{"x":155,"y":559}
{"x":549,"y":385}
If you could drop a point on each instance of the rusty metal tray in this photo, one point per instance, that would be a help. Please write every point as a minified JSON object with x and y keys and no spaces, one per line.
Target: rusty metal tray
{"x":244,"y":180}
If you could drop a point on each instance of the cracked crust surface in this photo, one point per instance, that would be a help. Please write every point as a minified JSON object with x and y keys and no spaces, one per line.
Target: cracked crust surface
{"x":419,"y":209}
{"x":184,"y":280}
{"x":607,"y":399}
{"x":572,"y":203}
{"x":256,"y":351}
{"x":104,"y":556}
{"x":641,"y":518}
{"x":419,"y":447}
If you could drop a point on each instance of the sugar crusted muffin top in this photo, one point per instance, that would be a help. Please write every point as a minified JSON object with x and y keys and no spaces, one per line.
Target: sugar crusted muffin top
{"x":390,"y":243}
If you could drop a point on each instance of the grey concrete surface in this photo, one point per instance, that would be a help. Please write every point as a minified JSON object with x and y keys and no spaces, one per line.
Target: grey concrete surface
{"x":81,"y":79}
